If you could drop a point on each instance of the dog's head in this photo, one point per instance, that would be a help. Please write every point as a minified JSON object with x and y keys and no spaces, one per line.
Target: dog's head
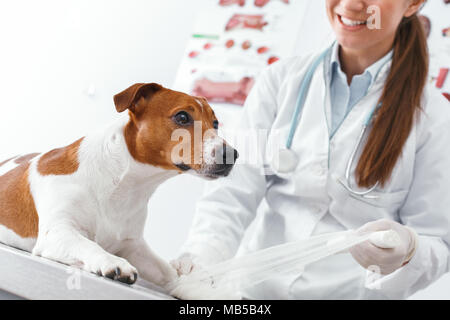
{"x":174,"y":131}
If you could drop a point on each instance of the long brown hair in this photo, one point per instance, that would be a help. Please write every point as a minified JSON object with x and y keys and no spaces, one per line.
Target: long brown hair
{"x":401,"y":100}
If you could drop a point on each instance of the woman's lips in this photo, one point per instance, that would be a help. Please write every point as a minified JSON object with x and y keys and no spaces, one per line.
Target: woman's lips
{"x":351,"y":24}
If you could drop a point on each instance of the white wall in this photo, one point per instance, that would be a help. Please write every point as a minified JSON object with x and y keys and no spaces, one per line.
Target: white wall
{"x":62,"y":61}
{"x":53,"y":51}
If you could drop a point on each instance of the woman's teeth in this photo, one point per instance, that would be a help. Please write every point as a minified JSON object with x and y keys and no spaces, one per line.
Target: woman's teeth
{"x":352,"y":23}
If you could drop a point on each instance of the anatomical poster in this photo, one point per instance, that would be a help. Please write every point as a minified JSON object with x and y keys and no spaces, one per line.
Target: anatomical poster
{"x":232,"y":41}
{"x":435,"y":17}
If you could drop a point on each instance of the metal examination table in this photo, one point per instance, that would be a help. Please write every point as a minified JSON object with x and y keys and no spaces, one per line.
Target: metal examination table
{"x":31,"y":277}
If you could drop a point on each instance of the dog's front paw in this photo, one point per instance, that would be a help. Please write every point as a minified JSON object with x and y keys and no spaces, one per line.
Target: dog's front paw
{"x":186,"y":288}
{"x":115,"y":268}
{"x":184,"y":264}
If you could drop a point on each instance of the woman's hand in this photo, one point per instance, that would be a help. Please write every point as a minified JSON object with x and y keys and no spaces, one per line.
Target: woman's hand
{"x":386,"y":260}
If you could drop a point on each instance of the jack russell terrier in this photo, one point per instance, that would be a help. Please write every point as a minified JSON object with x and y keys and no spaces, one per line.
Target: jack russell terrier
{"x":85,"y":205}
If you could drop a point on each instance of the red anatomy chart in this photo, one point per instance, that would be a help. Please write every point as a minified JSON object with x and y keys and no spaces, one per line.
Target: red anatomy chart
{"x":243,"y":21}
{"x":262,"y":3}
{"x":229,"y":92}
{"x":437,"y":13}
{"x":231,"y":2}
{"x":233,"y":40}
{"x":258,"y":3}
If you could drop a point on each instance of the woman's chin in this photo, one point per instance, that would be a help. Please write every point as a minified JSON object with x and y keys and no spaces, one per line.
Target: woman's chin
{"x":352,"y":42}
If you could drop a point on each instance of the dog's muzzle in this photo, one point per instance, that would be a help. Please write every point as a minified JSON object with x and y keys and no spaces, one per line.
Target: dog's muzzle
{"x":225,"y":158}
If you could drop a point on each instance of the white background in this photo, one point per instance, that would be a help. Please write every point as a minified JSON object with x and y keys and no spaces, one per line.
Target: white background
{"x":62,"y":61}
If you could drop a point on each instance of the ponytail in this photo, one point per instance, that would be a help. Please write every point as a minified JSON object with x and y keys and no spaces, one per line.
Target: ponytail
{"x":401,"y":100}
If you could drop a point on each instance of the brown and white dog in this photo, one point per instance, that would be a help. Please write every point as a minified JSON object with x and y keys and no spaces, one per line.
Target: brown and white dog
{"x":86,"y":204}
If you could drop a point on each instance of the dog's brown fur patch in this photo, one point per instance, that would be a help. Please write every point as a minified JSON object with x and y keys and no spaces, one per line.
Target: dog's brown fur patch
{"x":26,"y":158}
{"x":17,"y":209}
{"x":62,"y":161}
{"x":154,"y":109}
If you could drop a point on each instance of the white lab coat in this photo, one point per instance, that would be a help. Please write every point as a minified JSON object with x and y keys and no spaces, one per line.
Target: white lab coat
{"x":311,"y":201}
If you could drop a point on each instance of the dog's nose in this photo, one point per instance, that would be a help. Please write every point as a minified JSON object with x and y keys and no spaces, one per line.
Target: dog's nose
{"x":227,"y":154}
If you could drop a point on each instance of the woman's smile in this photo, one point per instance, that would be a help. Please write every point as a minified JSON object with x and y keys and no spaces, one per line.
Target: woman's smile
{"x":351,"y":24}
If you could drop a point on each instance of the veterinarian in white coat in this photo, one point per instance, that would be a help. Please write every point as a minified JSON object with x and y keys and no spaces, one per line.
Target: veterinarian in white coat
{"x":404,"y":155}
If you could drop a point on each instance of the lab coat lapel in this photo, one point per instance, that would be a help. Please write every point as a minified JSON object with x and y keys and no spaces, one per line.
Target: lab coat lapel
{"x":311,"y":141}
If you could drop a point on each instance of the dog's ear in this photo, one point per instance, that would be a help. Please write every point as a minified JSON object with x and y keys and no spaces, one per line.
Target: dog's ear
{"x":128,"y":98}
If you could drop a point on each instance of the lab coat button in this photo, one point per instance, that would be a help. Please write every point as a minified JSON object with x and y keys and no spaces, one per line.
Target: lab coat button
{"x":321,"y":168}
{"x":318,"y":170}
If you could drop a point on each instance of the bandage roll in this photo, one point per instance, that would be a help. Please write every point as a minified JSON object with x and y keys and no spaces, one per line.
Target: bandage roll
{"x":388,"y":239}
{"x":287,"y":258}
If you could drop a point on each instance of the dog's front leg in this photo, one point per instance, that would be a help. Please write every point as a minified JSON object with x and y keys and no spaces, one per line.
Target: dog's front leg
{"x":150,"y":267}
{"x":66,"y":244}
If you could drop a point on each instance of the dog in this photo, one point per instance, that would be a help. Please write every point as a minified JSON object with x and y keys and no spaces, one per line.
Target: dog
{"x":85,"y":204}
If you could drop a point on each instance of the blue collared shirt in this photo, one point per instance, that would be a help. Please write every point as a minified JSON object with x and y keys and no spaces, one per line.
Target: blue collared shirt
{"x":345,"y":97}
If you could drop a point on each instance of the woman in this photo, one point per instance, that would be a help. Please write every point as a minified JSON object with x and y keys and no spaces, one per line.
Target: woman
{"x":401,"y":164}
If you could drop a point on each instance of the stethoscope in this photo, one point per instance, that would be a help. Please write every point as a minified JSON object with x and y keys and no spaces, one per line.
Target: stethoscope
{"x":286,"y":160}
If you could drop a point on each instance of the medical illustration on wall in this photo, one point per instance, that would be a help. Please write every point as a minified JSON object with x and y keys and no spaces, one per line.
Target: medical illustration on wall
{"x":232,"y":42}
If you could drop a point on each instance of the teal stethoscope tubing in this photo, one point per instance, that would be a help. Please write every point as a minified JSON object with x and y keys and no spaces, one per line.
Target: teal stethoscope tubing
{"x":295,"y":119}
{"x":302,"y":96}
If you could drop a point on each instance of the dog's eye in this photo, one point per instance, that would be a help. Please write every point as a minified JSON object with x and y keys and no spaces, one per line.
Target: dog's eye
{"x":183,"y":118}
{"x":216,"y":124}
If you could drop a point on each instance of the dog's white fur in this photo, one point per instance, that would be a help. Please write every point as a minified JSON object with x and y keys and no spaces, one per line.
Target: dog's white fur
{"x":100,"y":222}
{"x":95,"y":217}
